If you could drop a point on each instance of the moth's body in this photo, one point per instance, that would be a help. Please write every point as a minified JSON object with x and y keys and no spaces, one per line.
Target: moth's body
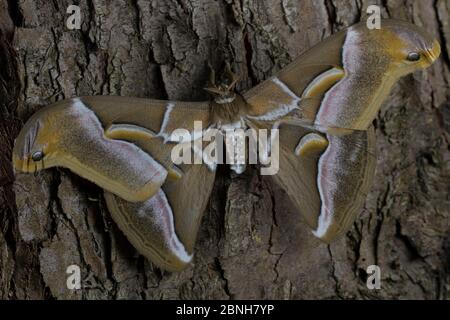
{"x":323,"y":103}
{"x":229,"y":112}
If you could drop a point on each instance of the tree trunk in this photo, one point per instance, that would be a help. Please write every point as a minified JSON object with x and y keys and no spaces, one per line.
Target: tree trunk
{"x":252,"y":243}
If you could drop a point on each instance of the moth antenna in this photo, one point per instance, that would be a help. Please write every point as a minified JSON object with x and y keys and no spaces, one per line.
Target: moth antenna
{"x":230,"y":76}
{"x":234,"y":81}
{"x":213,"y":90}
{"x":212,"y":75}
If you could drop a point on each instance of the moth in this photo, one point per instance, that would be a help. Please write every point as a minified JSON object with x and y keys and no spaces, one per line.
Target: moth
{"x":322,"y":105}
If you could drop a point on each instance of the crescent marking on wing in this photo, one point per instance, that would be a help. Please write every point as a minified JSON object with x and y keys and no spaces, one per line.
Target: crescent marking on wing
{"x":174,"y":173}
{"x":310,"y":143}
{"x":323,"y":82}
{"x":116,"y":130}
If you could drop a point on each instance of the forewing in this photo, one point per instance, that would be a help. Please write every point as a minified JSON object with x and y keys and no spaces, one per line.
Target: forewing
{"x":281,"y":93}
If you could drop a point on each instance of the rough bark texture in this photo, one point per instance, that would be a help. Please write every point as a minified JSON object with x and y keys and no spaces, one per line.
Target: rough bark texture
{"x":252,"y":243}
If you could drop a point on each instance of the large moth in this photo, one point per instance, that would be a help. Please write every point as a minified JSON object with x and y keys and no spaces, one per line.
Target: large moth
{"x":323,"y":105}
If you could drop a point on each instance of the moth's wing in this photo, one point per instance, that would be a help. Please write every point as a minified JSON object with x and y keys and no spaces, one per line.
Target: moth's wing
{"x":345,"y":175}
{"x":320,"y":67}
{"x":298,"y":176}
{"x":150,"y":227}
{"x":73,"y":136}
{"x":189,"y":186}
{"x":164,"y":231}
{"x":158,"y":117}
{"x":128,"y":119}
{"x":326,"y":176}
{"x":164,"y":228}
{"x":77,"y":133}
{"x":189,"y":198}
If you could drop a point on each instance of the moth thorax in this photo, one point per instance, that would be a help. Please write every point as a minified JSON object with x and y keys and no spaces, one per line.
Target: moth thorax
{"x":231,"y":127}
{"x":228,"y":98}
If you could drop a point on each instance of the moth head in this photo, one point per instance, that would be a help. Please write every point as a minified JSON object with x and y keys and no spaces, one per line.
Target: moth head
{"x":408,"y":46}
{"x":223,"y":88}
{"x":35,"y":144}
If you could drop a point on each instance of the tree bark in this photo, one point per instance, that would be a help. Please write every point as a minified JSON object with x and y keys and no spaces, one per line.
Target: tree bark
{"x":252,"y":243}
